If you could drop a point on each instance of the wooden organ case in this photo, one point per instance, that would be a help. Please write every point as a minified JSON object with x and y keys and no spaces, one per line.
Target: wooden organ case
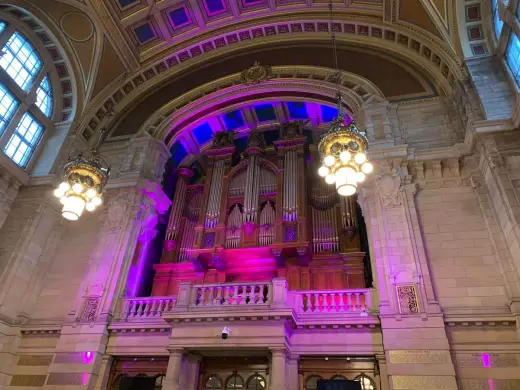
{"x":262,"y":215}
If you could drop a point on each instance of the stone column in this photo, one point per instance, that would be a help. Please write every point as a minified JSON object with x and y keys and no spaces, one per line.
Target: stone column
{"x":292,"y":380}
{"x":278,"y":369}
{"x":173,"y":373}
{"x":104,"y":372}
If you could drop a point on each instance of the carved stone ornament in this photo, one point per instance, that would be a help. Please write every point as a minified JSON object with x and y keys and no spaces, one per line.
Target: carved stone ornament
{"x":117,"y":209}
{"x":256,"y":74}
{"x":89,"y":312}
{"x":388,"y":187}
{"x":223,"y":139}
{"x":291,"y":129}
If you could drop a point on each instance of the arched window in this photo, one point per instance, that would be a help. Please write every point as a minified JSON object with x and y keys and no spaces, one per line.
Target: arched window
{"x":312,"y":382}
{"x":513,"y":56}
{"x":256,"y":382}
{"x":366,"y":382}
{"x":213,"y":383}
{"x":497,"y":23}
{"x":234,"y":382}
{"x":338,"y":378}
{"x":26,"y":99}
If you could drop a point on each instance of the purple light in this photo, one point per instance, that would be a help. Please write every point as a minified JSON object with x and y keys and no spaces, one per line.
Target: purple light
{"x":485,"y":360}
{"x":84,"y":380}
{"x":491,"y":384}
{"x":88,"y":357}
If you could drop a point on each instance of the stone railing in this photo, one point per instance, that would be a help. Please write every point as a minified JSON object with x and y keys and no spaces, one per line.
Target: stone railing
{"x":147,"y":307}
{"x":268,"y":295}
{"x":231,"y":294}
{"x":331,"y":301}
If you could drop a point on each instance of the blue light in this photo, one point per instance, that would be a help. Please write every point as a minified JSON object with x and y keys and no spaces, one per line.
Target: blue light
{"x":144,"y":33}
{"x":214,"y":5}
{"x":265,"y":112}
{"x":328,"y":113}
{"x":179,"y":17}
{"x":203,"y":133}
{"x":178,"y":153}
{"x":297,"y":110}
{"x":513,"y":56}
{"x":233,"y":120}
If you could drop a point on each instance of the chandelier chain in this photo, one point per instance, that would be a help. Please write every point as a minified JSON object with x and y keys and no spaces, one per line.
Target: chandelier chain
{"x":335,"y":59}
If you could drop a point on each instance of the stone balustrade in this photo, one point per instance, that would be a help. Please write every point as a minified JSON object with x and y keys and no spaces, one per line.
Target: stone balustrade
{"x":272,"y":294}
{"x":147,"y":307}
{"x":331,"y":301}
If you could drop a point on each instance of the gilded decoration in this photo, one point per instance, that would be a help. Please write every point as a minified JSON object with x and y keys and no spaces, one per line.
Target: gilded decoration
{"x":419,"y":357}
{"x":407,"y":299}
{"x":256,"y":74}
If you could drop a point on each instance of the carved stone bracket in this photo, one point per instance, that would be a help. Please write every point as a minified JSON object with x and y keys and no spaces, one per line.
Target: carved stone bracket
{"x":388,"y":187}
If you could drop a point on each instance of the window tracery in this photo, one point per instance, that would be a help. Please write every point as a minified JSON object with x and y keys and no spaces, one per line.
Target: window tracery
{"x":366,"y":382}
{"x":25,"y":94}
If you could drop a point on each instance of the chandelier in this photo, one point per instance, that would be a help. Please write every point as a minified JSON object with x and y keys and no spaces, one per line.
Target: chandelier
{"x":343,"y":149}
{"x":83,"y":181}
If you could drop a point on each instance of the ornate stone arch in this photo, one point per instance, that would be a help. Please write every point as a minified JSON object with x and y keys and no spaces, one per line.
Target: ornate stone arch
{"x":316,"y":80}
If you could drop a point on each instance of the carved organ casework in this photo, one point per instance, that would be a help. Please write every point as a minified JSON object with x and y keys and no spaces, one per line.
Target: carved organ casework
{"x":263,"y":214}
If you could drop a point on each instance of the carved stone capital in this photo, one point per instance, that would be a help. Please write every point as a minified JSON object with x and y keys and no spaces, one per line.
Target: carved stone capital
{"x":388,"y":187}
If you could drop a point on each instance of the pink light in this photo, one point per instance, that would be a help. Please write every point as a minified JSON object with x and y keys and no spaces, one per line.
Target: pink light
{"x":88,"y":357}
{"x":491,"y":384}
{"x":84,"y":380}
{"x":485,"y":360}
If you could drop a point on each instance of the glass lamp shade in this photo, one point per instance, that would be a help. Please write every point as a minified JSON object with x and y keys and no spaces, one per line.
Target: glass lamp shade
{"x":346,"y":186}
{"x":73,"y":208}
{"x":360,"y":158}
{"x":329,"y":161}
{"x":330,"y":178}
{"x":323,"y":171}
{"x":367,"y":168}
{"x":345,"y":156}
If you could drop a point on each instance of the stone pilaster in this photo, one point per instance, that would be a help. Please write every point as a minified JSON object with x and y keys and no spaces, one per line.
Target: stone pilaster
{"x":9,"y":187}
{"x":415,"y":341}
{"x":278,"y":369}
{"x":173,"y":373}
{"x":292,"y":377}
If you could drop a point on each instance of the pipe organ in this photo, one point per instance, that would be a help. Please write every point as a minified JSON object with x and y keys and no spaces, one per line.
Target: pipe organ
{"x":264,"y":202}
{"x":215,"y":193}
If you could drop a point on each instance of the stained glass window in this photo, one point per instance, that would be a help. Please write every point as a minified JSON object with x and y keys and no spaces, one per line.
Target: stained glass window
{"x":8,"y":105}
{"x":44,"y":97}
{"x":20,"y":60}
{"x":23,"y":142}
{"x":513,"y":56}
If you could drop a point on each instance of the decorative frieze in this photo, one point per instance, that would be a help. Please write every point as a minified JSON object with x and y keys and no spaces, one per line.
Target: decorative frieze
{"x":419,"y":357}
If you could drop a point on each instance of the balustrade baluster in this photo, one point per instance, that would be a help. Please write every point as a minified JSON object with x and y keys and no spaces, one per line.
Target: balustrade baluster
{"x":358,"y":302}
{"x":332,"y":302}
{"x":161,"y":306}
{"x":147,"y":308}
{"x":218,"y":299}
{"x":141,"y":307}
{"x":240,"y":295}
{"x":349,"y":302}
{"x":226,"y":295}
{"x":134,"y":308}
{"x":126,"y":308}
{"x":341,"y":303}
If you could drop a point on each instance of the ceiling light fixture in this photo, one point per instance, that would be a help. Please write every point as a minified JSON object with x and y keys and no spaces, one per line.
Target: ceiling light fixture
{"x":343,"y":149}
{"x":83,"y":182}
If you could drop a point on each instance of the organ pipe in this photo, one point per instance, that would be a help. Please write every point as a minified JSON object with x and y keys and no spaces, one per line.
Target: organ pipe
{"x":215,"y":194}
{"x":188,"y":234}
{"x":325,"y":230}
{"x":233,"y":225}
{"x":172,"y":231}
{"x":267,"y":181}
{"x":237,"y":184}
{"x":252,"y":190}
{"x":348,"y":211}
{"x":267,"y":218}
{"x":290,"y":178}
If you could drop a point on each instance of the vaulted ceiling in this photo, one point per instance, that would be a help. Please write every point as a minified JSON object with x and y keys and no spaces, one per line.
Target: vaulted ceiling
{"x":131,"y":57}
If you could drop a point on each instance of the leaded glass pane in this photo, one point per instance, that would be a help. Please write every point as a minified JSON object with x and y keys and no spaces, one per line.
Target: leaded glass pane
{"x":8,"y":105}
{"x":24,"y":140}
{"x":20,"y":60}
{"x":44,"y":97}
{"x":513,"y":56}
